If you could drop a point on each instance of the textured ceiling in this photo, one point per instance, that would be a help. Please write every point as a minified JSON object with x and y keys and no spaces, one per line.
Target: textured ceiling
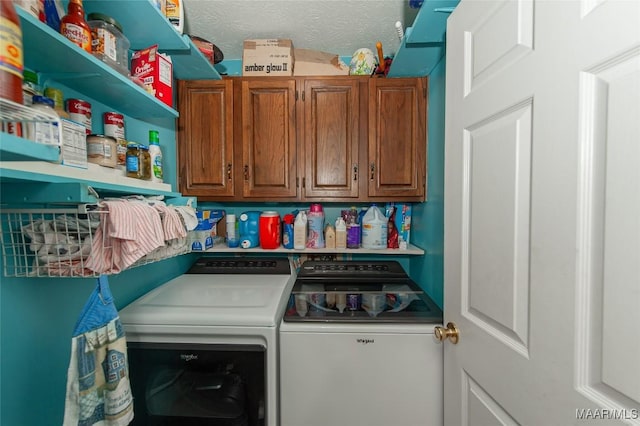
{"x":334,"y":26}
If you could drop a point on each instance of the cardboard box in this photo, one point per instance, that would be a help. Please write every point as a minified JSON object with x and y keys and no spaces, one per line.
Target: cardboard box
{"x":73,"y":149}
{"x":209,"y":232}
{"x":316,"y":62}
{"x":267,"y":57}
{"x":156,"y":72}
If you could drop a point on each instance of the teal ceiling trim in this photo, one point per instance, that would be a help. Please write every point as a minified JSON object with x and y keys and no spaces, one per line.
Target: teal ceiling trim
{"x":424,"y":43}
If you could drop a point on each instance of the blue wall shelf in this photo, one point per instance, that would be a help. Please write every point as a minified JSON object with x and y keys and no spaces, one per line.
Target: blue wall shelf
{"x":424,"y":43}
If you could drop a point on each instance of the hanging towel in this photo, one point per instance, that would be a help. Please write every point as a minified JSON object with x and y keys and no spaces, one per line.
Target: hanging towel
{"x":98,"y":389}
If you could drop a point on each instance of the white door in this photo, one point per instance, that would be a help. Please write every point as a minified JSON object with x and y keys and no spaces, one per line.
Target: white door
{"x":542,"y":213}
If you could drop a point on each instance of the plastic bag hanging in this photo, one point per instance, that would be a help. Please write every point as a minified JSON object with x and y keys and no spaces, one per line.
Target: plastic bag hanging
{"x":98,"y":388}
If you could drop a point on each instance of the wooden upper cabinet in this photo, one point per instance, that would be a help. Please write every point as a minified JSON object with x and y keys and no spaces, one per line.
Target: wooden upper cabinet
{"x":269,"y":144}
{"x":397,"y":138}
{"x":330,"y":135}
{"x":205,"y":138}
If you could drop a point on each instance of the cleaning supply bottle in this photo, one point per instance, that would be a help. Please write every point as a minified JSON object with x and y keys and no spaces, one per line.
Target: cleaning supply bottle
{"x":329,"y":236}
{"x":374,"y":229}
{"x":341,"y":233}
{"x":156,"y":156}
{"x":287,"y":230}
{"x":315,"y":223}
{"x":300,"y":231}
{"x":353,"y":229}
{"x":233,"y":239}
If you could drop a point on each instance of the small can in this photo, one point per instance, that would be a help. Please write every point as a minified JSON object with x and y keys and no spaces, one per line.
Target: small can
{"x":114,"y":125}
{"x":354,"y":301}
{"x":80,"y":112}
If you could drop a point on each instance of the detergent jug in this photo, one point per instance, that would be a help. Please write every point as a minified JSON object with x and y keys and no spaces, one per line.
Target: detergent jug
{"x":249,"y":228}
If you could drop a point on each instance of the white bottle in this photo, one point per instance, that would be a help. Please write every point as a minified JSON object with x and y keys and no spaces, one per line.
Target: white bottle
{"x":300,"y":231}
{"x":233,"y":239}
{"x":374,"y":229}
{"x":46,"y":130}
{"x":341,"y":233}
{"x":156,"y":156}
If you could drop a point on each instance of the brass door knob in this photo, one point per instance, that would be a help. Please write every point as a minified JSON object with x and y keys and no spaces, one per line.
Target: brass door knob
{"x":451,"y":332}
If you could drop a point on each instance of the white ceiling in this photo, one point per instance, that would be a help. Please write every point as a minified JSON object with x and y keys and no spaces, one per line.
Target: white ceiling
{"x":334,"y":26}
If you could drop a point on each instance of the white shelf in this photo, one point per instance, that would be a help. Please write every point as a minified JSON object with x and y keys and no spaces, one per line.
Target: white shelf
{"x":411,"y":250}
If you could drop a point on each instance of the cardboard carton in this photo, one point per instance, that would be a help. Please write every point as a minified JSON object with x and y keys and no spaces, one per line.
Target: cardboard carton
{"x":156,"y":72}
{"x":267,"y":57}
{"x":316,"y":62}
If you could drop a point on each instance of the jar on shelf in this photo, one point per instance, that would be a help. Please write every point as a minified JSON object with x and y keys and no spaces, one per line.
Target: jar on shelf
{"x":109,"y":44}
{"x":133,"y":166}
{"x":30,"y":86}
{"x":58,"y":101}
{"x":145,"y":162}
{"x":102,"y":150}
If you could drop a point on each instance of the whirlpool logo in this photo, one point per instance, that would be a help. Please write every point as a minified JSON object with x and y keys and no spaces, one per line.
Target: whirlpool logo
{"x":188,"y":357}
{"x":365,"y":341}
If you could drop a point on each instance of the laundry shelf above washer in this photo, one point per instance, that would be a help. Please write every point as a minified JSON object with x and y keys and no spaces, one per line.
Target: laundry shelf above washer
{"x":410,"y":250}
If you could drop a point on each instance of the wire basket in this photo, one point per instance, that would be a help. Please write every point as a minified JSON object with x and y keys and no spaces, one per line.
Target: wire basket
{"x":64,"y":243}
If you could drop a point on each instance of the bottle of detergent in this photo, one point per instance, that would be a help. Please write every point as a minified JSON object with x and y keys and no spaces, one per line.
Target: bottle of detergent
{"x":315,"y":223}
{"x":300,"y":231}
{"x":374,"y":229}
{"x":249,"y":228}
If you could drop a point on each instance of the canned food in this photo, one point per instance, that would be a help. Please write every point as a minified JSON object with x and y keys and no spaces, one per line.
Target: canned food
{"x":114,"y":125}
{"x":80,"y":112}
{"x":102,"y":150}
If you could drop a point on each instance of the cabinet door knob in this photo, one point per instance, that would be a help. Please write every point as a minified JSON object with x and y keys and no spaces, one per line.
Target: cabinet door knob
{"x":246,"y":172}
{"x":355,"y":172}
{"x":229,"y":171}
{"x":372,"y":167}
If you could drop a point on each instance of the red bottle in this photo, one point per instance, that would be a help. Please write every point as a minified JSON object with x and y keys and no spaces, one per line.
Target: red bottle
{"x":11,"y":54}
{"x":74,"y":27}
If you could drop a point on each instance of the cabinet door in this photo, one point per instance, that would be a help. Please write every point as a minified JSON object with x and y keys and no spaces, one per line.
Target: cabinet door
{"x":205,"y":138}
{"x":330,"y":134}
{"x":268,"y":139}
{"x":397,"y":138}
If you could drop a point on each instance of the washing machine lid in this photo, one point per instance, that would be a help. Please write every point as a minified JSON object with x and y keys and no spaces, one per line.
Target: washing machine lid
{"x":212,"y":300}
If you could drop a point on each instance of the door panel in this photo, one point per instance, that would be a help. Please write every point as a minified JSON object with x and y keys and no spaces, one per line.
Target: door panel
{"x":497,"y":156}
{"x":269,"y":138}
{"x":610,"y":228}
{"x":205,"y":136}
{"x":542,"y":200}
{"x":330,"y":132}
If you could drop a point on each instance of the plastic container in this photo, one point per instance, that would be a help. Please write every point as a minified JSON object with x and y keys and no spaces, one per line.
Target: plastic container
{"x":374,"y":229}
{"x":249,"y":228}
{"x":341,"y":233}
{"x":42,"y":132}
{"x":232,"y":231}
{"x":353,"y":229}
{"x":109,"y":44}
{"x":315,"y":223}
{"x":58,"y":101}
{"x":287,"y":230}
{"x":102,"y":150}
{"x":74,"y":27}
{"x":329,"y":236}
{"x":269,"y":230}
{"x":30,"y":87}
{"x":155,"y":154}
{"x":175,"y":14}
{"x":300,"y":231}
{"x":11,"y":57}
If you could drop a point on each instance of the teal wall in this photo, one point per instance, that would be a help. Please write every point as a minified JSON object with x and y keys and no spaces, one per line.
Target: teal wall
{"x":37,"y":316}
{"x":427,"y":227}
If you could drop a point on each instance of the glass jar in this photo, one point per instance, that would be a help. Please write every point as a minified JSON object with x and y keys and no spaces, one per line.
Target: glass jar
{"x":109,"y":43}
{"x":102,"y":150}
{"x":145,"y":162}
{"x":133,"y":166}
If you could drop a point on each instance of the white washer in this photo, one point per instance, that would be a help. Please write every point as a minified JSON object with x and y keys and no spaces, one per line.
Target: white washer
{"x":220,"y":309}
{"x":349,"y":368}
